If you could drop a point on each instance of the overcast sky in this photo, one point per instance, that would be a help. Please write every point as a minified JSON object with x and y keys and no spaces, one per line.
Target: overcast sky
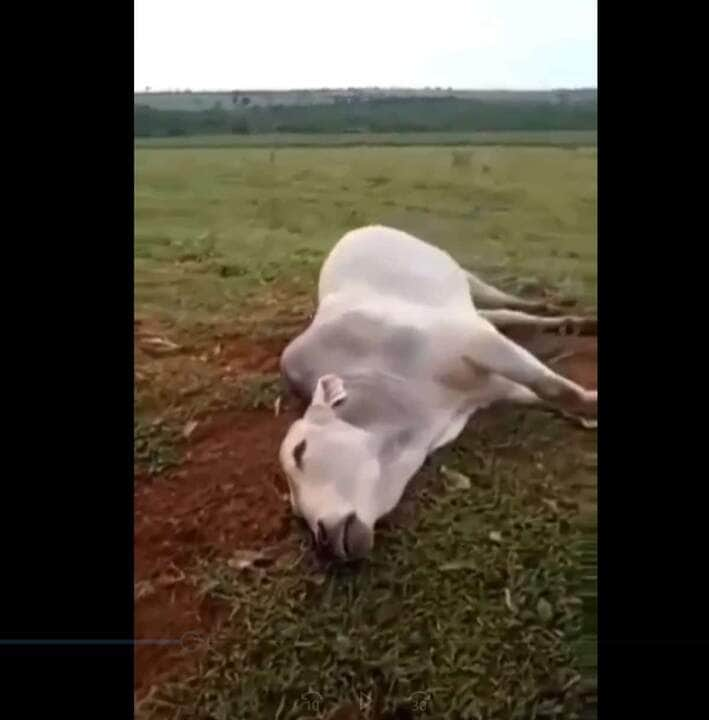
{"x":278,"y":44}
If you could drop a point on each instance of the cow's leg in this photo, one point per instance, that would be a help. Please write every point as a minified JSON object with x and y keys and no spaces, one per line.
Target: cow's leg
{"x":491,"y":351}
{"x":516,"y":394}
{"x":490,"y":297}
{"x":513,"y":393}
{"x":514,"y":318}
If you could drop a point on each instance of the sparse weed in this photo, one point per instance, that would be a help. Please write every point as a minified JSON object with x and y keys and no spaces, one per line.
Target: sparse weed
{"x":461,"y":159}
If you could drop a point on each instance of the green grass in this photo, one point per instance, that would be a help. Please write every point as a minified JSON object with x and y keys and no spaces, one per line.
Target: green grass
{"x":233,"y":238}
{"x":215,"y":229}
{"x":576,"y":138}
{"x":154,"y":444}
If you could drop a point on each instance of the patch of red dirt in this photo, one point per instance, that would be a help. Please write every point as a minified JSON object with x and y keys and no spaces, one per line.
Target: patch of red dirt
{"x":172,"y":611}
{"x":229,"y":494}
{"x":243,"y":355}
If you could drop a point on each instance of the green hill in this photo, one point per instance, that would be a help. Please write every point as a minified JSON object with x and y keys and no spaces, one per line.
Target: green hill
{"x":361,"y":111}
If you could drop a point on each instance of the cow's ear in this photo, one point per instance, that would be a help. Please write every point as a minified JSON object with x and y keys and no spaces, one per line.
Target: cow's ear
{"x":330,"y":391}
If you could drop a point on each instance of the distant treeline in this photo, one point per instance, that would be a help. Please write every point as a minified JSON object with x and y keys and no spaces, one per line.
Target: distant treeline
{"x":414,"y":114}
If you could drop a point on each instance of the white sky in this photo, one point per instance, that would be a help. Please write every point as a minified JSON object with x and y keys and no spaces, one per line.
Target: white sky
{"x":278,"y":44}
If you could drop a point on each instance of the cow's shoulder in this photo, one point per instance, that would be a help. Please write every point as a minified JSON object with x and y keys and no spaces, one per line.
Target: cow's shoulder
{"x":377,"y":401}
{"x":297,"y":370}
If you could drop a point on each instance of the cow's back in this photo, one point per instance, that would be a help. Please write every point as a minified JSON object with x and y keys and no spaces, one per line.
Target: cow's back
{"x":382,"y":261}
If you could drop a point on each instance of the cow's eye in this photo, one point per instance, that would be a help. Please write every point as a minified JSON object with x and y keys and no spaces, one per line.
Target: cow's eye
{"x":298,"y":451}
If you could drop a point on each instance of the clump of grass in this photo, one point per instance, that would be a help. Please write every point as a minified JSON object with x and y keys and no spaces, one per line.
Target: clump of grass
{"x":155,"y":446}
{"x":274,"y":211}
{"x":294,"y":227}
{"x":199,"y":249}
{"x":461,"y":158}
{"x":259,"y":392}
{"x":377,"y":180}
{"x":232,"y":270}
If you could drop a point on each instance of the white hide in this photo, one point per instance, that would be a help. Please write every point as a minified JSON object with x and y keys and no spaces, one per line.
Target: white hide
{"x":384,"y":365}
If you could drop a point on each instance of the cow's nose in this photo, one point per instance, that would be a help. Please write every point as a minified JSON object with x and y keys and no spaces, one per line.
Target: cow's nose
{"x":329,"y":535}
{"x":346,"y":537}
{"x":321,"y":539}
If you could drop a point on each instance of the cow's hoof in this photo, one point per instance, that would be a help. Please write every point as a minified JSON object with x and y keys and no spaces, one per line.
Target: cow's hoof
{"x":585,"y":422}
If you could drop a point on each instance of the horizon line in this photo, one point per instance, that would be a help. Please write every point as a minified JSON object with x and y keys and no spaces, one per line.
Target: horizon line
{"x":152,"y":91}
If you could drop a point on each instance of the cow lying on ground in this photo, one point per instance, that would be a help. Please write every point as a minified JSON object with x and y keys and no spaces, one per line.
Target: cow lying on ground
{"x":395,"y":361}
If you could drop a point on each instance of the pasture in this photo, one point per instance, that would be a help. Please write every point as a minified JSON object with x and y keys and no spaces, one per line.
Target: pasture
{"x":479,"y":599}
{"x":530,"y":138}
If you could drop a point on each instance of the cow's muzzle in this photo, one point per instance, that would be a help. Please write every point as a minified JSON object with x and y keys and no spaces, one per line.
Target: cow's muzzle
{"x":345,"y":538}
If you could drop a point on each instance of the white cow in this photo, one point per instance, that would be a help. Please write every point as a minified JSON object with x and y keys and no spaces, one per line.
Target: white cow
{"x":394,"y":363}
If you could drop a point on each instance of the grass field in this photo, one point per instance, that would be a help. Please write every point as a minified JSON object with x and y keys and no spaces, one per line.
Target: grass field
{"x":213,"y":226}
{"x":481,"y":605}
{"x":563,"y":138}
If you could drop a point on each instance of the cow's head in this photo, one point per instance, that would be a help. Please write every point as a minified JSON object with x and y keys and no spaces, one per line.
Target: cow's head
{"x":333,"y":472}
